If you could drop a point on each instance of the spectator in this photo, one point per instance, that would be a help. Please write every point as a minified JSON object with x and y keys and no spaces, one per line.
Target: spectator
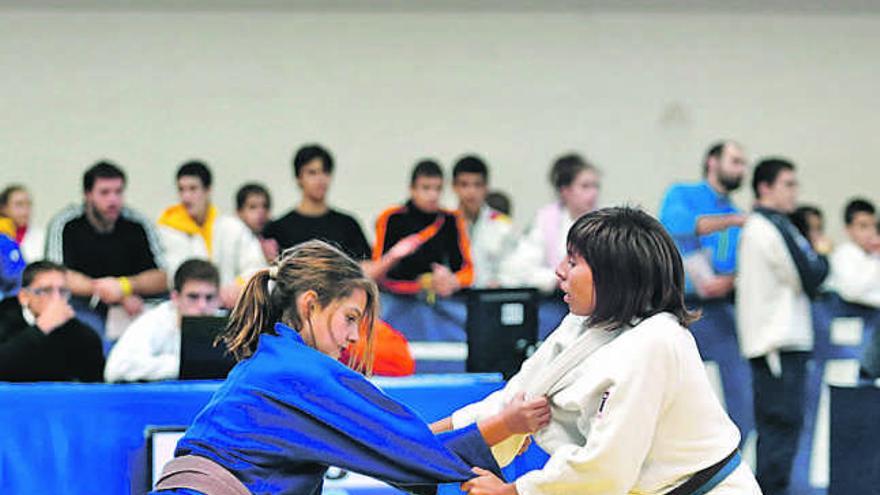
{"x":15,"y":204}
{"x":490,"y":231}
{"x":779,"y":271}
{"x":705,"y":225}
{"x":253,"y":203}
{"x":539,"y":251}
{"x":434,"y":241}
{"x":194,"y":228}
{"x":809,"y":221}
{"x":855,"y":264}
{"x":40,"y":340}
{"x":112,"y":253}
{"x":150,"y":348}
{"x":500,"y":201}
{"x":11,"y":261}
{"x":313,"y":218}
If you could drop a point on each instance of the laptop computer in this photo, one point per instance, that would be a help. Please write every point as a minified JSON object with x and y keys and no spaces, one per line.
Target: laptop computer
{"x":502,"y":329}
{"x":200,"y":359}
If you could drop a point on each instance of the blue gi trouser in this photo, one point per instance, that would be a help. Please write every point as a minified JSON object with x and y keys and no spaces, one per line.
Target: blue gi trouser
{"x":779,"y":415}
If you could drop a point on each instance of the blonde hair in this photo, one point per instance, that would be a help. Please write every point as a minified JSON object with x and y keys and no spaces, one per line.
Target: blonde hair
{"x":310,"y":266}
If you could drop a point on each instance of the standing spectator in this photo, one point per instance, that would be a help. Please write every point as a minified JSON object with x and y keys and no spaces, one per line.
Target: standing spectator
{"x":194,"y":228}
{"x":491,"y":232}
{"x":112,"y":253}
{"x":253,"y":203}
{"x":539,"y":251}
{"x":855,"y":264}
{"x":11,"y":261}
{"x":779,"y":272}
{"x":40,"y":340}
{"x":15,"y":204}
{"x":705,"y":225}
{"x":438,"y":260}
{"x":150,"y":348}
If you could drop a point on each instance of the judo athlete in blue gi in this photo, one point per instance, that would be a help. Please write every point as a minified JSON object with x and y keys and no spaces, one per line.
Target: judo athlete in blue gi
{"x":289,"y":409}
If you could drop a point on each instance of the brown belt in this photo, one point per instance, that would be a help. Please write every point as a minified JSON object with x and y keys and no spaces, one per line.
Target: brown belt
{"x":200,"y":474}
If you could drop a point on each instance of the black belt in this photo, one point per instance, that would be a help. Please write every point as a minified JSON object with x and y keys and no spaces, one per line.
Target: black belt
{"x":708,"y":478}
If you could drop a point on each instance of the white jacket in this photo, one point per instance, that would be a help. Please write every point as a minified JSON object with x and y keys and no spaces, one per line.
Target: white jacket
{"x":637,"y":415}
{"x":149,"y":349}
{"x":492,"y":239}
{"x":772,"y":310}
{"x":236,"y":251}
{"x":855,"y":275}
{"x":533,"y":261}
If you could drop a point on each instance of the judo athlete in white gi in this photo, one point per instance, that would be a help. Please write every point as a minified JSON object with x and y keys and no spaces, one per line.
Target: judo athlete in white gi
{"x":632,"y":409}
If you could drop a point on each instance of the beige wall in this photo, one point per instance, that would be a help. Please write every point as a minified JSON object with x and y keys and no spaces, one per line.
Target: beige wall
{"x":640,"y":94}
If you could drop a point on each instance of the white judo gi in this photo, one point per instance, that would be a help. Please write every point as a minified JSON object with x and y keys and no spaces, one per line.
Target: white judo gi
{"x":633,"y":412}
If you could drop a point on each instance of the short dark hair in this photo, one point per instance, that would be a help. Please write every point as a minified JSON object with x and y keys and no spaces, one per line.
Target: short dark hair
{"x":637,"y":269}
{"x":857,"y":205}
{"x":8,"y":191}
{"x":250,"y":189}
{"x":101,"y":170}
{"x":196,"y":269}
{"x":425,"y":168}
{"x":767,"y":171}
{"x":500,"y":201}
{"x":714,"y":151}
{"x":566,"y":168}
{"x":37,"y":267}
{"x":308,"y":153}
{"x":470,"y":164}
{"x":196,"y":168}
{"x":799,"y":218}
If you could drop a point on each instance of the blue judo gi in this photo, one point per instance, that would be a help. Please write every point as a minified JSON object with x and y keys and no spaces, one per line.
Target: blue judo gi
{"x":288,"y":412}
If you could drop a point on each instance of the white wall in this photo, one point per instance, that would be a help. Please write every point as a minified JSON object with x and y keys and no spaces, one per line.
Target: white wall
{"x":640,"y":94}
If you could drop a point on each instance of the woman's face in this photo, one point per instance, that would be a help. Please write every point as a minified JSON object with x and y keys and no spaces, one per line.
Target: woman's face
{"x":336,"y":326}
{"x":576,"y":280}
{"x":19,"y":208}
{"x":582,"y":194}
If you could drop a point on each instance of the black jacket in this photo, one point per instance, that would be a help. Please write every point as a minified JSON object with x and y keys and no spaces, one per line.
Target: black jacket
{"x":72,"y":352}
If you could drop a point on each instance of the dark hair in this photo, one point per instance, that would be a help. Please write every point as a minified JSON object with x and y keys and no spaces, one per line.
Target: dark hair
{"x":195,"y":168}
{"x":250,"y":189}
{"x":714,"y":151}
{"x":101,"y":170}
{"x":470,"y":164}
{"x":857,"y":205}
{"x":637,"y":269}
{"x":500,"y":201}
{"x":196,"y":269}
{"x":308,"y":153}
{"x":37,"y":267}
{"x":8,"y":191}
{"x":425,"y":168}
{"x":767,"y":170}
{"x":566,"y":169}
{"x":312,"y":265}
{"x":799,"y":218}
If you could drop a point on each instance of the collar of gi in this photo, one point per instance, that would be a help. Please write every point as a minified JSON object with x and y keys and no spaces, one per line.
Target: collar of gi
{"x":287,"y":332}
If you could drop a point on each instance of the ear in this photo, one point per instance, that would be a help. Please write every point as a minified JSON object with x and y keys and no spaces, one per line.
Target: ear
{"x":175,"y":297}
{"x":306,"y":304}
{"x":22,"y":297}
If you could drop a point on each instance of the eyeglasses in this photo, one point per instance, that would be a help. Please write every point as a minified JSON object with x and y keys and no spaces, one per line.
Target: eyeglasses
{"x":46,"y":291}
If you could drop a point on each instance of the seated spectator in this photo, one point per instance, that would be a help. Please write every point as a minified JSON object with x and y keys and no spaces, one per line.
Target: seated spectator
{"x":313,"y":218}
{"x":491,"y":232}
{"x":150,"y":348}
{"x":439,"y":257}
{"x":533,"y":263}
{"x":11,"y":261}
{"x":194,"y":228}
{"x":112,"y":253}
{"x":40,"y":339}
{"x":855,"y":264}
{"x":15,"y":204}
{"x":811,"y":224}
{"x":253,"y":203}
{"x":500,"y":201}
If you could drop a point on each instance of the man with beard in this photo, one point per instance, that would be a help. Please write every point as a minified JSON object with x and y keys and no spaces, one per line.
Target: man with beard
{"x":112,"y":253}
{"x":706,"y":225}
